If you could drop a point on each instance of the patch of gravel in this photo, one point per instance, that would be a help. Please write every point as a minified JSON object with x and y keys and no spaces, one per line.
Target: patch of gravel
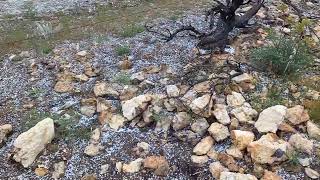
{"x":47,"y":7}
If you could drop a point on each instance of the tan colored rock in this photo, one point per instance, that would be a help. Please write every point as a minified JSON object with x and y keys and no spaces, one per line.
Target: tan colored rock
{"x":117,"y":121}
{"x":181,"y":120}
{"x":125,"y":64}
{"x":312,"y":173}
{"x":102,"y":89}
{"x":200,"y":126}
{"x":263,"y":150}
{"x":93,"y":149}
{"x":157,"y":163}
{"x":218,"y":131}
{"x":234,"y":152}
{"x":221,"y":114}
{"x":235,"y":99}
{"x":213,"y":154}
{"x":172,"y":91}
{"x":88,"y":110}
{"x":244,"y":113}
{"x":203,"y":87}
{"x":41,"y":171}
{"x":199,"y":160}
{"x":285,"y":127}
{"x":241,"y":139}
{"x":135,"y":106}
{"x":133,"y":166}
{"x":203,"y":146}
{"x":216,"y":168}
{"x":4,"y":131}
{"x":59,"y":169}
{"x":297,"y":115}
{"x":268,"y":175}
{"x":199,"y":104}
{"x":236,"y":176}
{"x":228,"y":161}
{"x":30,"y":143}
{"x":270,"y":119}
{"x":94,"y":146}
{"x":302,"y":143}
{"x":313,"y":130}
{"x":245,"y":81}
{"x":63,"y":86}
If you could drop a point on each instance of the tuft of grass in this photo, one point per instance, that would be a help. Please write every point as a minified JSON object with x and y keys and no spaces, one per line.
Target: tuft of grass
{"x":273,"y":98}
{"x":35,"y":92}
{"x":66,"y":125}
{"x":283,"y":56}
{"x":314,"y":110}
{"x":123,"y":78}
{"x":131,"y":30}
{"x":123,"y":50}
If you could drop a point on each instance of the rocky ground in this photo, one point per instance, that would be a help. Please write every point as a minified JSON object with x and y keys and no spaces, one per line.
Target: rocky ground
{"x":139,"y":108}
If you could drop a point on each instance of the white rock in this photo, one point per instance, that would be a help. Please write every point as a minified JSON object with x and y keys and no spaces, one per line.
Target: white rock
{"x":245,"y":77}
{"x":119,"y":166}
{"x":82,"y":53}
{"x":4,"y":131}
{"x":135,"y":106}
{"x":236,"y":176}
{"x":198,"y":105}
{"x":203,"y":146}
{"x":263,"y":150}
{"x":145,"y":146}
{"x":302,"y":143}
{"x":311,"y":173}
{"x":104,"y":168}
{"x":313,"y":130}
{"x":245,"y":113}
{"x":30,"y":143}
{"x":241,"y":139}
{"x":133,"y":166}
{"x":88,"y":110}
{"x":59,"y":169}
{"x":117,"y":121}
{"x":235,"y":99}
{"x":172,"y":91}
{"x":216,"y":168}
{"x":93,"y":149}
{"x":200,"y":126}
{"x":234,"y":152}
{"x":218,"y":131}
{"x":270,"y":119}
{"x":304,"y":161}
{"x":221,"y":114}
{"x":181,"y":120}
{"x":199,"y":160}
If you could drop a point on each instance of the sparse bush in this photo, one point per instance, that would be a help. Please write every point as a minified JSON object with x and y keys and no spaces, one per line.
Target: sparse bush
{"x":131,"y":30}
{"x":65,"y":124}
{"x":122,"y":78}
{"x":123,"y":50}
{"x":282,"y":56}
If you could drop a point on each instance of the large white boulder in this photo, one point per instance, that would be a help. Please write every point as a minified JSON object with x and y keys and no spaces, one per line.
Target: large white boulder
{"x":270,"y":119}
{"x":29,"y":144}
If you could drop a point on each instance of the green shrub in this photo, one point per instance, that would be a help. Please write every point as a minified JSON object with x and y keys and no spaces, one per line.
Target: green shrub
{"x":131,"y":30}
{"x":66,"y":125}
{"x":122,"y":78}
{"x":123,"y":50}
{"x":282,"y":56}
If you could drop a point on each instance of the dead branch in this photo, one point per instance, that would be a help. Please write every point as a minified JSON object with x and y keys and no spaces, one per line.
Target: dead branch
{"x":227,"y":20}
